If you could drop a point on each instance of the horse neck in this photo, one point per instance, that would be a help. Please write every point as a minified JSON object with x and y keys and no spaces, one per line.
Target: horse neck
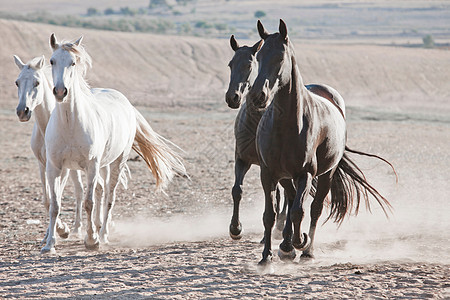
{"x":70,"y":111}
{"x":43,"y":111}
{"x":288,"y":103}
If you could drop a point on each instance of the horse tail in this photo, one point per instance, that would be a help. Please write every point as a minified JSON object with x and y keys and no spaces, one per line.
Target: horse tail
{"x":349,"y":185}
{"x":161,"y":159}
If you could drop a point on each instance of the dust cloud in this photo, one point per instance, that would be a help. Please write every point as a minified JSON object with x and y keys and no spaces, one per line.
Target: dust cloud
{"x":417,"y":230}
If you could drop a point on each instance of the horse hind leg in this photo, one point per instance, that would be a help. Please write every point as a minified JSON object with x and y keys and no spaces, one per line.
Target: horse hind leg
{"x":91,"y":240}
{"x":240,"y":169}
{"x":110,"y":197}
{"x":281,"y":215}
{"x":323,"y":187}
{"x":79,"y":195}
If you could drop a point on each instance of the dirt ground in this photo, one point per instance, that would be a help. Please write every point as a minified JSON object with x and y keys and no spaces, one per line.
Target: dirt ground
{"x":177,"y":245}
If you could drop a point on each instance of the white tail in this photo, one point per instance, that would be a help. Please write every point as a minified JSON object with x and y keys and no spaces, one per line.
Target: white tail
{"x":162,"y":160}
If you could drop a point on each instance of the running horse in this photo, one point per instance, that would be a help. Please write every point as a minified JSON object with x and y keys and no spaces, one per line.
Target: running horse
{"x":93,"y":128}
{"x":244,"y":69}
{"x":302,"y":136}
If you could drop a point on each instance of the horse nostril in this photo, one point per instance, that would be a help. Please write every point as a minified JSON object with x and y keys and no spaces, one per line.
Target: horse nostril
{"x":26,"y":110}
{"x":65,"y":92}
{"x":54,"y":91}
{"x":236,"y":98}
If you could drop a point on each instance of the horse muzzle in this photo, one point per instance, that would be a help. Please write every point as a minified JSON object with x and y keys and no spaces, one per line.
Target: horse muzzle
{"x":24,"y":114}
{"x":233,"y":99}
{"x":60,"y":93}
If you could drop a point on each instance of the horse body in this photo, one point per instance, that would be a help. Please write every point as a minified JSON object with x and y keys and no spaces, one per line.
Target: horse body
{"x":90,"y":129}
{"x":302,"y":136}
{"x":35,"y":96}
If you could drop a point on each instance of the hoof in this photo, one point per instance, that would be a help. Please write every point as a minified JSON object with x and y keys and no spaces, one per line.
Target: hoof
{"x":307,"y":256}
{"x":305,"y":244}
{"x":48,"y":250}
{"x":287,"y":256}
{"x":235,"y":237}
{"x":63,"y":231}
{"x":235,"y":231}
{"x":93,"y":244}
{"x":104,"y":239}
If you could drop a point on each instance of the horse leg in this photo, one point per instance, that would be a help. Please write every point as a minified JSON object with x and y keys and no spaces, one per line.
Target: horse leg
{"x":54,"y":181}
{"x":303,"y":186}
{"x":277,"y":234}
{"x":62,"y":228}
{"x":240,"y":169}
{"x":269,"y":186}
{"x":323,"y":187}
{"x":46,"y":195}
{"x":110,"y":196}
{"x":286,"y":250}
{"x":91,"y":240}
{"x":281,"y":215}
{"x":75,"y":176}
{"x":101,"y":197}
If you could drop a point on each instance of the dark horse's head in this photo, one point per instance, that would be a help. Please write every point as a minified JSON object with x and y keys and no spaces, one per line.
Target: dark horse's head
{"x":275,"y":64}
{"x":243,"y":68}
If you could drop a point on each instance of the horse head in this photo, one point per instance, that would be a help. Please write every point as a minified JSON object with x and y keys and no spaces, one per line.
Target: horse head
{"x":30,"y":90}
{"x":243,"y":68}
{"x":275,"y":64}
{"x":67,"y":60}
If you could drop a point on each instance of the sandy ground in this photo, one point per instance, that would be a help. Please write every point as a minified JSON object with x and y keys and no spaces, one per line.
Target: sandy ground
{"x":177,"y":245}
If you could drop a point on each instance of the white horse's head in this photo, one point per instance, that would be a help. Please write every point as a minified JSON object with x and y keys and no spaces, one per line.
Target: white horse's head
{"x":69,"y":63}
{"x":30,"y":89}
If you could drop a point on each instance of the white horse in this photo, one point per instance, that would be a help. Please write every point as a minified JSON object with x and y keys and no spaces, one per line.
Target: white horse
{"x":90,"y":129}
{"x":35,"y":94}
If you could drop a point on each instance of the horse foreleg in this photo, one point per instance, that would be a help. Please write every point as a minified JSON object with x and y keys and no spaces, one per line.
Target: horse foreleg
{"x":269,"y":214}
{"x":303,"y":186}
{"x":62,"y":228}
{"x":110,"y":197}
{"x":75,"y":176}
{"x":240,"y":169}
{"x":100,"y":196}
{"x":54,"y":181}
{"x":46,"y":195}
{"x":91,"y":241}
{"x":287,"y":250}
{"x":323,"y":187}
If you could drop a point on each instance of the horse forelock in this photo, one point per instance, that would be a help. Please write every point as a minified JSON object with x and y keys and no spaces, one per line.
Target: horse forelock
{"x":82,"y":56}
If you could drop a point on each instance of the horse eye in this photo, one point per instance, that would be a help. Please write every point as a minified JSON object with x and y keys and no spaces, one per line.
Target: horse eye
{"x":73,"y":64}
{"x":17,"y":83}
{"x":36,"y":83}
{"x":51,"y":62}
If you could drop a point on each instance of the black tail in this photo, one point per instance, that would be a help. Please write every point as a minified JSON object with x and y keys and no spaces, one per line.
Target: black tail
{"x":349,"y":185}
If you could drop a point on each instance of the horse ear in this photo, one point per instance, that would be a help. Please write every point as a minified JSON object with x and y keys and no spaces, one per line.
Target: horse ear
{"x":77,"y":42}
{"x":19,"y":62}
{"x":262,"y":31}
{"x":234,"y":44}
{"x":41,"y":62}
{"x":53,"y":42}
{"x":283,"y":30}
{"x":257,"y":46}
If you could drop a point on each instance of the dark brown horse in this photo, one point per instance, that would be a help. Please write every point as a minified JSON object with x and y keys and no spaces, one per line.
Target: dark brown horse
{"x":244,"y":68}
{"x":301,"y":136}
